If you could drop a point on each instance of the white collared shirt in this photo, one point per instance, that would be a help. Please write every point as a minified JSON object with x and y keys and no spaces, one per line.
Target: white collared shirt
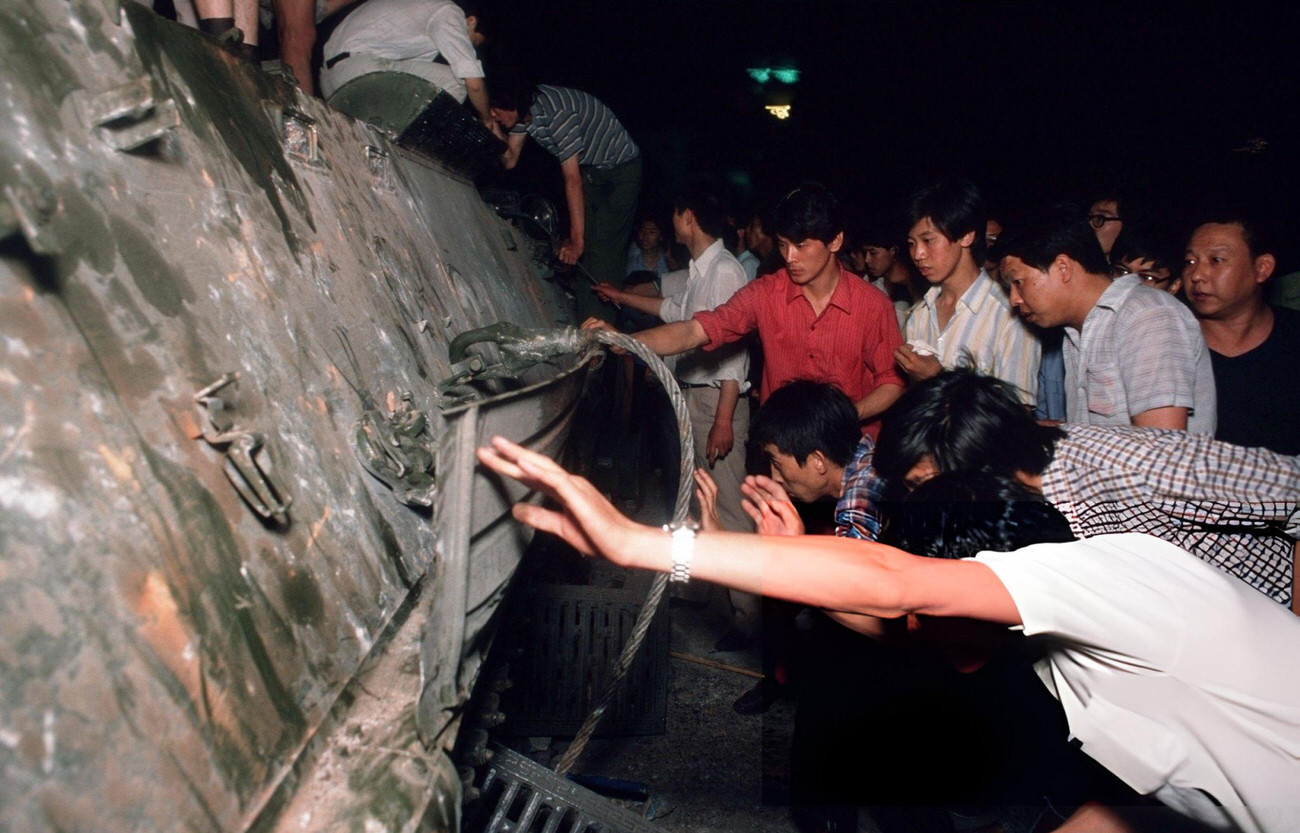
{"x":984,"y":327}
{"x":1179,"y":679}
{"x":711,"y":281}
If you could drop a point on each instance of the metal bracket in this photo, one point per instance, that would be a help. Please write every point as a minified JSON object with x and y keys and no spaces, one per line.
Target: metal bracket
{"x":247,"y":465}
{"x":126,"y":117}
{"x":31,"y":211}
{"x":301,"y":142}
{"x":380,"y":167}
{"x":397,"y":450}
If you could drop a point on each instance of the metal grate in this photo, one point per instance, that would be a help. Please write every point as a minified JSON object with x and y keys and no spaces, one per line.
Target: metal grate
{"x":563,"y":653}
{"x":520,"y":796}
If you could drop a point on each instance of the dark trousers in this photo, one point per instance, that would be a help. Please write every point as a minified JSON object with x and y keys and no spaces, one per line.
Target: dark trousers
{"x":610,"y":197}
{"x":890,"y":725}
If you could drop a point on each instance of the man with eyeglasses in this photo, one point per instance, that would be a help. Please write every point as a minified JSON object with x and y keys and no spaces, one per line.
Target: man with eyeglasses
{"x":1147,"y":254}
{"x":1106,"y":221}
{"x":1132,"y":355}
{"x":1253,"y":346}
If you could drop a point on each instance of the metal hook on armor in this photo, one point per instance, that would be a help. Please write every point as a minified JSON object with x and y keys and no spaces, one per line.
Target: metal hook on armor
{"x":246,"y":465}
{"x":520,"y":349}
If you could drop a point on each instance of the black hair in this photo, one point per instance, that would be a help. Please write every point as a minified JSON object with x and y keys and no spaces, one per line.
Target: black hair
{"x":1258,"y":239}
{"x":809,"y":212}
{"x":802,"y":417}
{"x":960,"y":514}
{"x":1147,"y":242}
{"x":704,"y":201}
{"x":1049,"y":232}
{"x":508,"y":92}
{"x":956,"y":209}
{"x":962,"y":421}
{"x":882,"y":232}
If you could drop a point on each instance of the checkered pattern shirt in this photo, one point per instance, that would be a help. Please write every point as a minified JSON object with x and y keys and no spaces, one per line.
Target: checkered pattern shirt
{"x":1227,"y":505}
{"x":857,"y":513}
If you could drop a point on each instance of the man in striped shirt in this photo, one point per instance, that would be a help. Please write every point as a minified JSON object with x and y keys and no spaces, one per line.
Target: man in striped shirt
{"x":601,"y":166}
{"x":1133,"y":354}
{"x":965,"y":317}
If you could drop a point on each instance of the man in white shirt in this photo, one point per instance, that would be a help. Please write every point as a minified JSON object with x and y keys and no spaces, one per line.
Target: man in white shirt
{"x":406,"y":36}
{"x":1133,"y":354}
{"x":711,"y":382}
{"x":1183,"y":682}
{"x":965,"y":317}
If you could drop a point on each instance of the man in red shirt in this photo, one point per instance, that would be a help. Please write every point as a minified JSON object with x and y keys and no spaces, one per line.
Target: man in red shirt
{"x":814,"y":320}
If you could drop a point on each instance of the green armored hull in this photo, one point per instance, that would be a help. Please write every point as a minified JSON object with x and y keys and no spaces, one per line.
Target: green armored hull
{"x":247,"y":565}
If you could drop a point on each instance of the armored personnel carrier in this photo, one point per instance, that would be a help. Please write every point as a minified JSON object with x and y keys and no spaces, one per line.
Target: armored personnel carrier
{"x":247,"y":566}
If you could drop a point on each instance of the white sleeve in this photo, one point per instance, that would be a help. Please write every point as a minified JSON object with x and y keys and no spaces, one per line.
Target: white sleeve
{"x":450,"y":34}
{"x":1111,"y":594}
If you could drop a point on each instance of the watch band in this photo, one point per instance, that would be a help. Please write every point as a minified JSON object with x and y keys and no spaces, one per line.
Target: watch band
{"x":683,"y":550}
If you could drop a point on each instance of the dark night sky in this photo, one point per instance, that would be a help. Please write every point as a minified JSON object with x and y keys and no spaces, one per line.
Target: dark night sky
{"x":1030,"y":100}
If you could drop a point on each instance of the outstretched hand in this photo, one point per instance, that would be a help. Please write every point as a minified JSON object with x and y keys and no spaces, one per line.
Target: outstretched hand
{"x":770,"y":507}
{"x":586,"y":520}
{"x":706,"y":492}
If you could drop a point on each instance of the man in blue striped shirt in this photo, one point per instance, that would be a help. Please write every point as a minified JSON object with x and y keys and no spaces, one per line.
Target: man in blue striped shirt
{"x":602,"y":174}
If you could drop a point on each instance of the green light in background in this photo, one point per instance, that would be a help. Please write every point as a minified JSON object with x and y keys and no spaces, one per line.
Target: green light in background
{"x":786,"y":75}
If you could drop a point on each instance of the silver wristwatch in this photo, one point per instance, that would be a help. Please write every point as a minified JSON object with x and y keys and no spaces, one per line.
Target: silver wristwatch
{"x":683,"y":549}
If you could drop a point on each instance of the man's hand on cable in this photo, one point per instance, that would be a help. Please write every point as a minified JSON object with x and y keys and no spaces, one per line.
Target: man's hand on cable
{"x":769,"y":507}
{"x":587,"y":521}
{"x":607,"y":292}
{"x":571,"y":250}
{"x":594,"y":323}
{"x":706,"y":492}
{"x":720,"y":441}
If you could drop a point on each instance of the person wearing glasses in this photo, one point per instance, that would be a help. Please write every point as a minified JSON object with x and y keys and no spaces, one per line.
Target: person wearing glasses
{"x":1145,"y":253}
{"x":1106,"y":220}
{"x":1253,"y":346}
{"x":1132,"y":356}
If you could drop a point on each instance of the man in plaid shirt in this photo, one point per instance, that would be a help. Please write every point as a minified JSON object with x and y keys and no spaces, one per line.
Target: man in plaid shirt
{"x":809,"y":433}
{"x":1236,"y":508}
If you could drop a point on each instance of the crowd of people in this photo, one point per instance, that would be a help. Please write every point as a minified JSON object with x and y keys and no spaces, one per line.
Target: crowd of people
{"x":1048,"y":459}
{"x":1045,"y":420}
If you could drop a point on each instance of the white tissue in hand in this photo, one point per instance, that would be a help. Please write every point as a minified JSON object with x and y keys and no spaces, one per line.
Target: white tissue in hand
{"x":921,"y":348}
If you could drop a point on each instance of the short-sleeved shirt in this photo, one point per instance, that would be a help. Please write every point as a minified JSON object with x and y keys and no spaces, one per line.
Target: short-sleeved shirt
{"x":857,"y":512}
{"x":1227,"y":505}
{"x":850,"y":345}
{"x":1179,"y":680}
{"x":710,"y":280}
{"x":636,"y":262}
{"x":985,"y":328}
{"x":1259,"y":391}
{"x":408,"y":30}
{"x":1139,"y":349}
{"x":573,"y":123}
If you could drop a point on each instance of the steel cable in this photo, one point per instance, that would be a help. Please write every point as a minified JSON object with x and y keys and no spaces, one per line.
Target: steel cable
{"x":681,"y":508}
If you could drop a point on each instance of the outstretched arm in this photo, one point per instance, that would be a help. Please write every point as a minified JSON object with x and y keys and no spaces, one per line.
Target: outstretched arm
{"x":837,"y":574}
{"x":664,"y":340}
{"x":573,"y":248}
